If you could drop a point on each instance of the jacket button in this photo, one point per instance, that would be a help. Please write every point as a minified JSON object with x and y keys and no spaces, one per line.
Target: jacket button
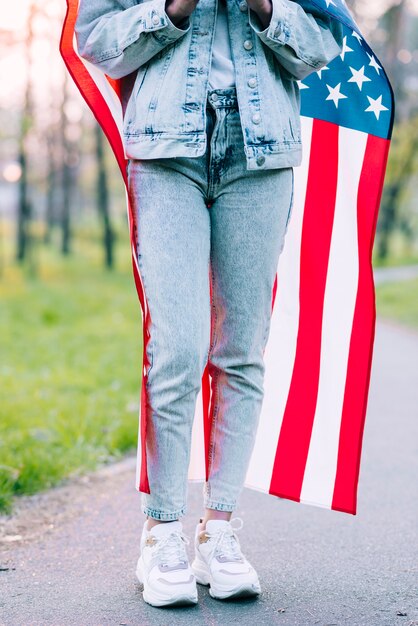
{"x":214,"y":97}
{"x":256,"y":118}
{"x":248,"y":44}
{"x":243,"y":6}
{"x":260,"y":159}
{"x":155,"y":19}
{"x":252,"y":82}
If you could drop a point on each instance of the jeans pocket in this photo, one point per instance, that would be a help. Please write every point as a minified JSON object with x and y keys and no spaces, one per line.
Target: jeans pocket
{"x":210,"y":121}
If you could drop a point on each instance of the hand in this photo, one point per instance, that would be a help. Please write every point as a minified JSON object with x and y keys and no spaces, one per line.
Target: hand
{"x":263,"y":9}
{"x":177,"y":10}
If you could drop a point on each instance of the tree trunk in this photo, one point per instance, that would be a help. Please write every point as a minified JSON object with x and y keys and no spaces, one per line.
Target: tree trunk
{"x":66,"y":178}
{"x":24,"y":210}
{"x":392,"y":197}
{"x":50,"y":216}
{"x":103,"y":199}
{"x":395,"y":20}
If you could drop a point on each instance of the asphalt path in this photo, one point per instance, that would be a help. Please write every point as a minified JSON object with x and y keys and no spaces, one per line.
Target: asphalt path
{"x":395,"y":274}
{"x":67,"y":557}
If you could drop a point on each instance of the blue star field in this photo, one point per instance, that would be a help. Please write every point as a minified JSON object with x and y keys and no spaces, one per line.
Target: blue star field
{"x":353,"y":89}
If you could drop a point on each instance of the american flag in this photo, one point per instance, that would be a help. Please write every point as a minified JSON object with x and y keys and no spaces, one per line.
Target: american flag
{"x":319,"y":351}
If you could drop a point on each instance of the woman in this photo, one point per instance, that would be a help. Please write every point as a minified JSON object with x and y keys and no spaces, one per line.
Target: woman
{"x":212,"y":133}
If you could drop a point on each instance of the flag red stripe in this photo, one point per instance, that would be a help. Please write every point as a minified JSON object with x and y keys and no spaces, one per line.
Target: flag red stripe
{"x":206,"y":416}
{"x":362,"y":336}
{"x":88,"y":87}
{"x":209,"y":380}
{"x":293,"y":445}
{"x":99,"y":107}
{"x":274,"y":293}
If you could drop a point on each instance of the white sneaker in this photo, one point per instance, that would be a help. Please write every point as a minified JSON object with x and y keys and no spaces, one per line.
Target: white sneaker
{"x":220,"y":563}
{"x":163,"y":567}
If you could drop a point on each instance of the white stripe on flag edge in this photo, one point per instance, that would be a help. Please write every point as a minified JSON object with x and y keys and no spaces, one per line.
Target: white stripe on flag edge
{"x":338,"y":313}
{"x":197,"y":465}
{"x":106,"y":90}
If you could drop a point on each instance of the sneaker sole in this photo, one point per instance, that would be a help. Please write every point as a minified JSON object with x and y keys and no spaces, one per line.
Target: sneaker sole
{"x":218,"y":592}
{"x":155,"y":599}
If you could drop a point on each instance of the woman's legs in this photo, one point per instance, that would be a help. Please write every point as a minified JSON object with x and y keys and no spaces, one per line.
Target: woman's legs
{"x":173,"y":257}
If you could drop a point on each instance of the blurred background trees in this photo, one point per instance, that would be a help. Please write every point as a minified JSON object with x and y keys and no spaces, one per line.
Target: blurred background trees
{"x":56,"y":169}
{"x":70,"y":321}
{"x":392,"y":31}
{"x":59,"y":183}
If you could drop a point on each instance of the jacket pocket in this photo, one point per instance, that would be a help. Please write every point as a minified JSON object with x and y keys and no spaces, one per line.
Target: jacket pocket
{"x":161,"y":64}
{"x":130,"y":109}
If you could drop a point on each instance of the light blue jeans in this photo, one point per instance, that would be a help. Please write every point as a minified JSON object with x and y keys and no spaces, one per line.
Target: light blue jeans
{"x":204,"y":219}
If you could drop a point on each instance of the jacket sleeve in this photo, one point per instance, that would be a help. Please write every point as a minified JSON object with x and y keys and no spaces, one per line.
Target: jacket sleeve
{"x":119,"y":36}
{"x":302,"y":37}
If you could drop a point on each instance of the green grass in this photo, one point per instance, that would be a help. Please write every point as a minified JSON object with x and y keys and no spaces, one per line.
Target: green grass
{"x":71,"y":347}
{"x":398,"y":301}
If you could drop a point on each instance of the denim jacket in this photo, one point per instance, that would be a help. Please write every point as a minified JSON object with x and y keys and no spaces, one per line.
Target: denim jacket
{"x":165,"y":71}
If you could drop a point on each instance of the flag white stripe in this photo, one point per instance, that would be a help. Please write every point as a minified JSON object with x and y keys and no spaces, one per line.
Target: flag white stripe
{"x":197,"y":467}
{"x":339,"y":304}
{"x":281,"y":345}
{"x":138,"y":453}
{"x":106,"y":90}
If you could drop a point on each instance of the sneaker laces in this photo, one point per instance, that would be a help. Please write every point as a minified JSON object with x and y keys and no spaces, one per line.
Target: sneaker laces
{"x":226,"y":542}
{"x":171,"y":548}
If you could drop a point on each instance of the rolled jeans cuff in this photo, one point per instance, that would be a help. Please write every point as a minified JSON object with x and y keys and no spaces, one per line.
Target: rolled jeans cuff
{"x":161,"y":515}
{"x":219,"y":506}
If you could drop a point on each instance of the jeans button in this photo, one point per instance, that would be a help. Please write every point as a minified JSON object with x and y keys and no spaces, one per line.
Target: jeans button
{"x":248,"y":44}
{"x":155,"y":19}
{"x":256,"y":118}
{"x":243,"y":6}
{"x":260,"y":159}
{"x":214,"y":97}
{"x":252,"y":82}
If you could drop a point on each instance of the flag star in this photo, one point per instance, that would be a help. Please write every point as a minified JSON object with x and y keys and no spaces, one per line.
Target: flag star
{"x":346,"y":48}
{"x":302,"y":85}
{"x":357,"y":36}
{"x":376,"y":106}
{"x":328,"y":2}
{"x":334,"y":94}
{"x":374,"y":63}
{"x":319,"y":72}
{"x":358,"y":77}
